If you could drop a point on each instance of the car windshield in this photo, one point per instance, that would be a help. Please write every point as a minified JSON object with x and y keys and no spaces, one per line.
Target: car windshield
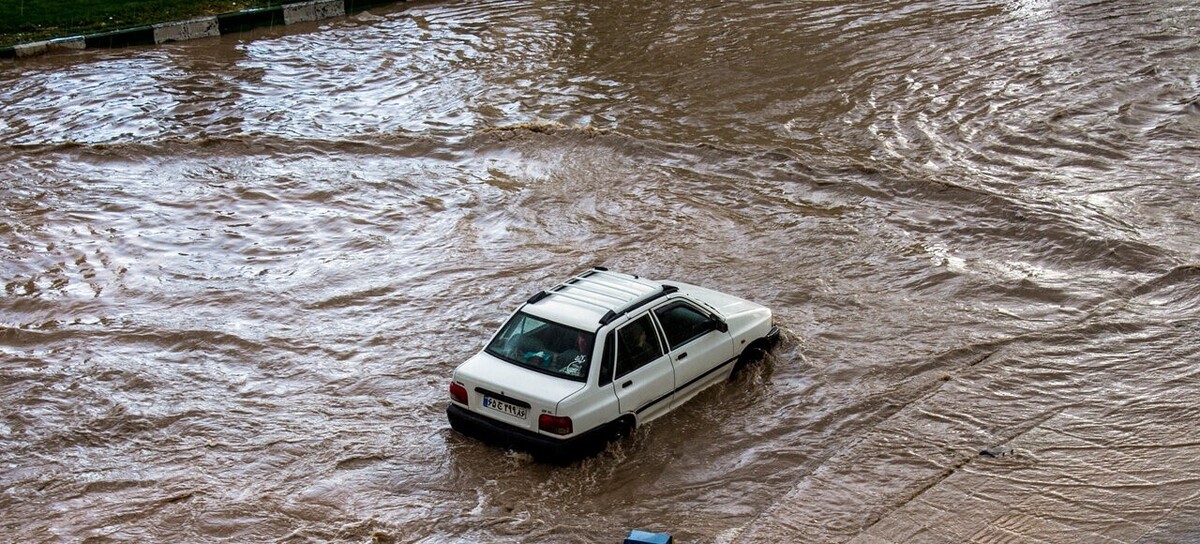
{"x":544,"y":346}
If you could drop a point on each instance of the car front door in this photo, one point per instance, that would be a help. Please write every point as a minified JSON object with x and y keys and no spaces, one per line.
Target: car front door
{"x":644,"y":379}
{"x":699,"y":350}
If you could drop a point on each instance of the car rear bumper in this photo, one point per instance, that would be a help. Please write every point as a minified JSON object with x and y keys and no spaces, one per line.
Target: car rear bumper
{"x":546,"y":448}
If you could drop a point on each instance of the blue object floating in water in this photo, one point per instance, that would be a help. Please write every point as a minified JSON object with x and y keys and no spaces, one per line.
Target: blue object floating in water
{"x":642,"y":537}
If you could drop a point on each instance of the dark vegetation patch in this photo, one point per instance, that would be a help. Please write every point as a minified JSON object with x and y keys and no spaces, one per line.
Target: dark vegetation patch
{"x":24,"y":21}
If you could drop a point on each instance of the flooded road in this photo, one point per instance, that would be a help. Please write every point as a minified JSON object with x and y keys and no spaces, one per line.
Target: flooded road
{"x":237,"y":272}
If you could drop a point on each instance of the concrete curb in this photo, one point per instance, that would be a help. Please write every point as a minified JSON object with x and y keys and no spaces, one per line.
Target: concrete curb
{"x":201,"y":27}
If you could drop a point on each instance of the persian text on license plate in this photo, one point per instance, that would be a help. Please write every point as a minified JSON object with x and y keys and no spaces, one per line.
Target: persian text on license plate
{"x":504,"y":407}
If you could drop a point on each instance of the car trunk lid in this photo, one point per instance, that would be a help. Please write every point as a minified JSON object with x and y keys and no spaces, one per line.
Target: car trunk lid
{"x":509,"y":393}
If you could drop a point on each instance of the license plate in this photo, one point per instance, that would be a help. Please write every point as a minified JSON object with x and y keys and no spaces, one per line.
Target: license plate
{"x":504,"y":407}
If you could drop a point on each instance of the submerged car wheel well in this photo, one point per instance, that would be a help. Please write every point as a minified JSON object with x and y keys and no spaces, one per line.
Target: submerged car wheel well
{"x":623,"y":426}
{"x":752,"y":354}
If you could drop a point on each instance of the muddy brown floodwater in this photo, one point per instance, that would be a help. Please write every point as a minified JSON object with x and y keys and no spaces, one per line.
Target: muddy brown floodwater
{"x":238,"y":271}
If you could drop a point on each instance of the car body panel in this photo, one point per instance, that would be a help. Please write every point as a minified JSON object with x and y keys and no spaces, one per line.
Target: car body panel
{"x":484,"y":374}
{"x":696,"y":356}
{"x":747,"y":320}
{"x":699,"y":367}
{"x":646,"y":392}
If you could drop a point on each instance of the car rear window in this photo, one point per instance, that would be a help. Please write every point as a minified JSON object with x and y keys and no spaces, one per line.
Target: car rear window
{"x":545,"y":346}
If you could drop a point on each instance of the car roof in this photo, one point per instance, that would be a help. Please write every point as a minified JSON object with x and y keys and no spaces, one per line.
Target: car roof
{"x":595,"y":298}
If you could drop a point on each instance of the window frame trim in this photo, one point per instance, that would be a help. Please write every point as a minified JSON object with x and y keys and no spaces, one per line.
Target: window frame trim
{"x":670,"y":304}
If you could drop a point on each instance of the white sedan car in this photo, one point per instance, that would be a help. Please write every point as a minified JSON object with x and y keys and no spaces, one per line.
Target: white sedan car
{"x":596,"y":356}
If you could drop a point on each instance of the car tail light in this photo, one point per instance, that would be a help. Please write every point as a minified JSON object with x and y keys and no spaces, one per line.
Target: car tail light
{"x":555,"y":424}
{"x":458,"y":393}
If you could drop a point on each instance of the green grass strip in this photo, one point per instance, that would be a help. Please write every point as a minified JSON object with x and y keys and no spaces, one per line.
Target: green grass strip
{"x":24,"y":21}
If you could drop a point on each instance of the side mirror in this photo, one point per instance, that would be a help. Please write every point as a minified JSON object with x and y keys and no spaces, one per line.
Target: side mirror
{"x":719,"y":324}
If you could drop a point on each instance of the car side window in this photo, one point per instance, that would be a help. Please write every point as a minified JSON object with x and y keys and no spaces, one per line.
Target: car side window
{"x":682,"y":323}
{"x":606,"y":364}
{"x":637,"y":345}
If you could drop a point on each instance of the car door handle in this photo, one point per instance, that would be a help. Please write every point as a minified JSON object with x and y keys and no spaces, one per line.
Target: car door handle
{"x":627,"y":384}
{"x":681,"y":356}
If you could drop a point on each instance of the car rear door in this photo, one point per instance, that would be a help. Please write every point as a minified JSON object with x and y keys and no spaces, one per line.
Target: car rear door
{"x":644,"y":379}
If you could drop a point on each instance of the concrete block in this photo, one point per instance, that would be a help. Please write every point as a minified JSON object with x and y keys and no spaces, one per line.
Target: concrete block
{"x":203,"y":27}
{"x":38,"y":48}
{"x":313,"y":11}
{"x":31,"y":49}
{"x":73,"y":42}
